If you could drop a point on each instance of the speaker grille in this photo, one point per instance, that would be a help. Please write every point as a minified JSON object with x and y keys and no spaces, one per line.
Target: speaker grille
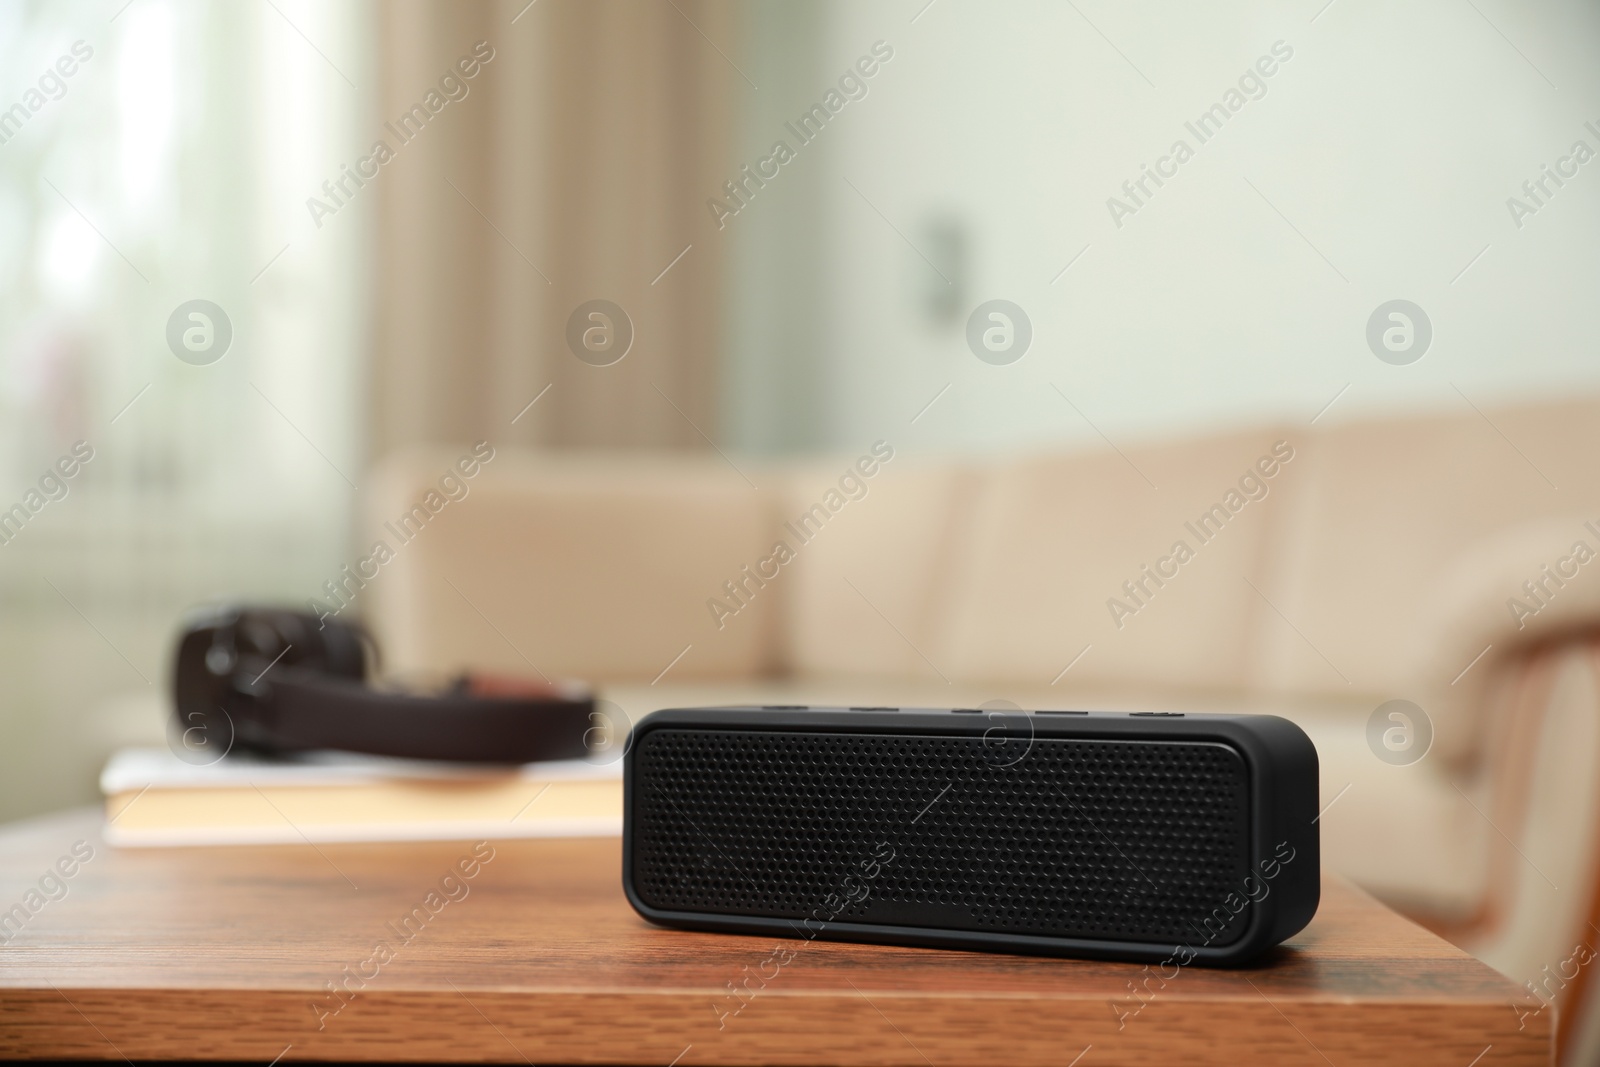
{"x":1110,"y":840}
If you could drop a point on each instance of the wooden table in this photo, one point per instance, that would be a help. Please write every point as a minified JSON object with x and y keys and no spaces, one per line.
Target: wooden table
{"x":227,"y":954}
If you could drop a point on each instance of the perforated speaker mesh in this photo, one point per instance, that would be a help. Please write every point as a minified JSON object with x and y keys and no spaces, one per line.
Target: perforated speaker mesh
{"x":1114,"y":840}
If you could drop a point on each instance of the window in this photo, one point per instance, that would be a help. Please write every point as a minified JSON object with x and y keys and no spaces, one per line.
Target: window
{"x":152,"y":155}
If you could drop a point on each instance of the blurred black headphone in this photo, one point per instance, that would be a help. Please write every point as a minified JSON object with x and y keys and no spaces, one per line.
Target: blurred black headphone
{"x":274,"y":682}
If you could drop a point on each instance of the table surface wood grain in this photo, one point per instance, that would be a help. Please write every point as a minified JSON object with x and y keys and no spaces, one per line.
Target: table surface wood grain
{"x":231,"y":953}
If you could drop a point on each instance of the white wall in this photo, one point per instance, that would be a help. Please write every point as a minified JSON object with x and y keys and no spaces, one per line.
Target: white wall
{"x":1391,"y":140}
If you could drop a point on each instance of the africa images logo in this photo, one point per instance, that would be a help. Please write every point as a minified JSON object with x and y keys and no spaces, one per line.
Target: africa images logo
{"x":999,"y":332}
{"x":199,"y":332}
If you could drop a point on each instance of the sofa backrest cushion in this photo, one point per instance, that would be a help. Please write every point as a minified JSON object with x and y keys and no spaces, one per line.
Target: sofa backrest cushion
{"x":1142,"y":562}
{"x":595,"y":568}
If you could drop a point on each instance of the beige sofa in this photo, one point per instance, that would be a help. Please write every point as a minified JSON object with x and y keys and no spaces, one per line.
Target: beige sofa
{"x":1325,"y":570}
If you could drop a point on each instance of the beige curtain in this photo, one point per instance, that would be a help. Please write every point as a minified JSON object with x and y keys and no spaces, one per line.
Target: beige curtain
{"x":577,"y":167}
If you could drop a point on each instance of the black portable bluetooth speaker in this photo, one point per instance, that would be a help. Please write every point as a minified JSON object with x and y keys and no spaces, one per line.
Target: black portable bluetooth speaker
{"x":1146,"y":837}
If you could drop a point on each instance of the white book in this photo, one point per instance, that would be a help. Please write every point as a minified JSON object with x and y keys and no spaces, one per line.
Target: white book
{"x":155,"y":799}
